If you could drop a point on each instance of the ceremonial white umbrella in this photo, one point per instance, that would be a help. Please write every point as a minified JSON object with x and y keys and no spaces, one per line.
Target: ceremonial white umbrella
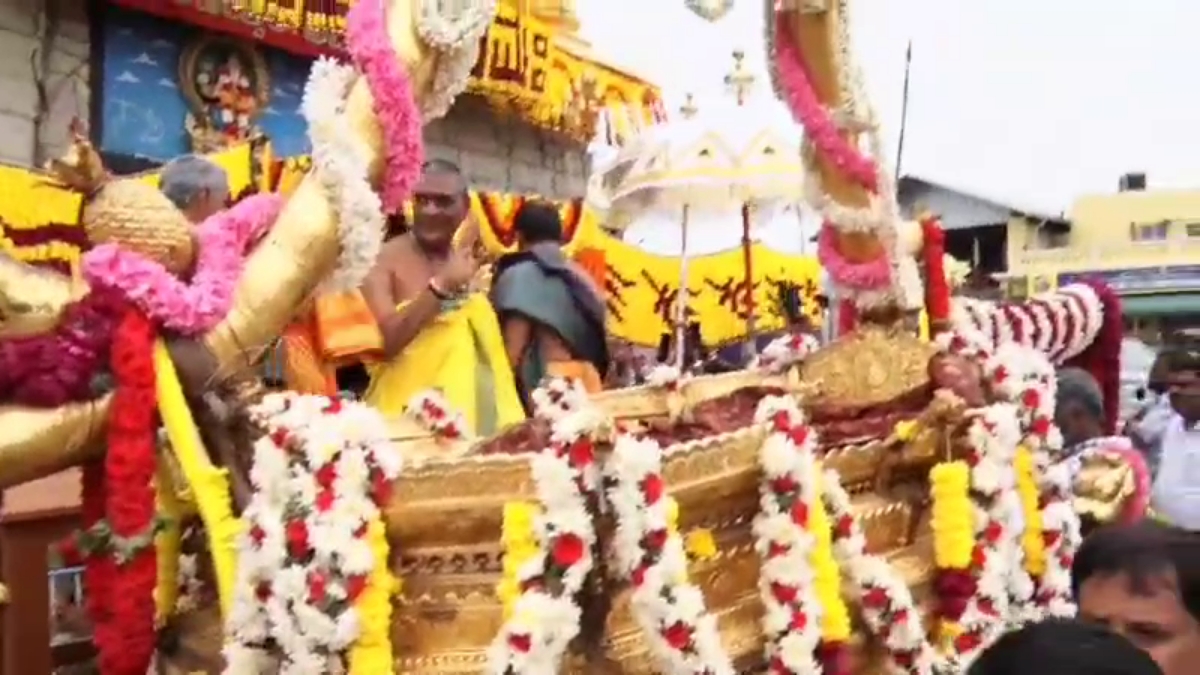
{"x":730,"y":155}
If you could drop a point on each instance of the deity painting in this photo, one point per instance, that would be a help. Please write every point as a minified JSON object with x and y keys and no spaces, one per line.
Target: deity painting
{"x":226,"y":83}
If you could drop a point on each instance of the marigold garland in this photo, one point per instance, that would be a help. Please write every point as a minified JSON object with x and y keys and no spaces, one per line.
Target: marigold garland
{"x":835,"y":624}
{"x":372,"y":651}
{"x":953,"y":538}
{"x":1031,"y":539}
{"x":519,"y":543}
{"x":168,"y":543}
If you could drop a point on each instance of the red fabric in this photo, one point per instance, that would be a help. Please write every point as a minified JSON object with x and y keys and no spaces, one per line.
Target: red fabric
{"x":1102,"y":358}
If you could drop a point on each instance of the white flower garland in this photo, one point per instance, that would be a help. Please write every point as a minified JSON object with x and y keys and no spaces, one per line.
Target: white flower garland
{"x":340,"y":163}
{"x":430,"y":409}
{"x":665,"y":376}
{"x":457,"y":41}
{"x":885,"y":600}
{"x":318,"y":472}
{"x":546,"y":617}
{"x":786,"y":351}
{"x":792,"y":620}
{"x":670,"y":610}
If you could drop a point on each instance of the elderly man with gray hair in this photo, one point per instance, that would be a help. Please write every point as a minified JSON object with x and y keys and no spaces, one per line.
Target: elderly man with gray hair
{"x":1079,"y":414}
{"x":196,"y":186}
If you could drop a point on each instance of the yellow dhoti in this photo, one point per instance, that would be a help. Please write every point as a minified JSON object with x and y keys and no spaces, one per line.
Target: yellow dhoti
{"x":461,"y":353}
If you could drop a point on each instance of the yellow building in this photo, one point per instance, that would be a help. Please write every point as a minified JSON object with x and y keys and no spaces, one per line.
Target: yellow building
{"x":1144,"y":243}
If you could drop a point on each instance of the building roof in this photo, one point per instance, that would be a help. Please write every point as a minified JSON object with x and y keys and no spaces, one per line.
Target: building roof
{"x":910,"y":183}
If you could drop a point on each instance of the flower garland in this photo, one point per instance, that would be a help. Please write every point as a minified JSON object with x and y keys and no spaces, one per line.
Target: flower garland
{"x":457,"y":42}
{"x":395,"y":105}
{"x":835,"y":627}
{"x":187,"y":308}
{"x":953,"y":542}
{"x":552,"y":565}
{"x":124,"y":558}
{"x":315,"y":545}
{"x":1061,"y":537}
{"x":430,"y":409}
{"x":785,"y":541}
{"x":893,"y":276}
{"x":47,"y":371}
{"x":1031,"y":538}
{"x":341,"y":164}
{"x":681,"y":633}
{"x":886,"y":601}
{"x":786,"y":351}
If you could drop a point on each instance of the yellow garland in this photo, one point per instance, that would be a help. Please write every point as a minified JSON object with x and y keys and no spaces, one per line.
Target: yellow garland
{"x":953,"y":534}
{"x":1032,"y":544}
{"x":209,"y":484}
{"x":520,"y":545}
{"x":167,"y":545}
{"x":372,"y":651}
{"x":827,"y":578}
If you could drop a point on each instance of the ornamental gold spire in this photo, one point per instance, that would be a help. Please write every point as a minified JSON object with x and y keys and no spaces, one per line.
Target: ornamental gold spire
{"x":740,"y":81}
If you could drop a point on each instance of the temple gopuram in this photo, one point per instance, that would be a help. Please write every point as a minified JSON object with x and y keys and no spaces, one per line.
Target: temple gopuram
{"x":160,"y":78}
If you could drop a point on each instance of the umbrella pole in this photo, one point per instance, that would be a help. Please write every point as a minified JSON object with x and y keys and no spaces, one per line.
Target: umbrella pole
{"x":681,"y":298}
{"x":748,"y":259}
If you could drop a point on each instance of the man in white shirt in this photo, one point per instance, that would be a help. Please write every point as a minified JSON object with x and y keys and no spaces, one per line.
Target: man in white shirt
{"x":1177,"y":486}
{"x":1148,"y":426}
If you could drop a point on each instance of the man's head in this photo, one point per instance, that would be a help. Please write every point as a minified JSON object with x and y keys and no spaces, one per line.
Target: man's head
{"x":196,"y":186}
{"x":1143,"y":581}
{"x":1079,"y":408}
{"x":1160,"y":371}
{"x":1063,"y":648}
{"x":1183,"y":382}
{"x":538,"y":222}
{"x":440,"y":205}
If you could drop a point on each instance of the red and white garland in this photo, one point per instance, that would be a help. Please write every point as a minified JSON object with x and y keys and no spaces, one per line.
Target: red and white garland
{"x":885,"y":599}
{"x":1061,"y":537}
{"x":792,"y":620}
{"x":567,"y":478}
{"x":431,"y":410}
{"x":1059,"y":324}
{"x":670,"y":610}
{"x":786,"y":351}
{"x":321,"y":472}
{"x":993,"y":438}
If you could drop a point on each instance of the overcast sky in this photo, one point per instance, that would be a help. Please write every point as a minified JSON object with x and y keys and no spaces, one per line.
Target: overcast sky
{"x":1029,"y":102}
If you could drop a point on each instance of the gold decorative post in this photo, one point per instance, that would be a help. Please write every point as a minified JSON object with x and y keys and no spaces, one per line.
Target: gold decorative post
{"x":740,"y":82}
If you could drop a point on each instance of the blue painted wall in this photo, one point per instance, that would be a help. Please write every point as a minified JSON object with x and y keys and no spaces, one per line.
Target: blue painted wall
{"x":144,"y":110}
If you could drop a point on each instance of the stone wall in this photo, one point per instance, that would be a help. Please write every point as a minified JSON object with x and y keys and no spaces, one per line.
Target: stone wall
{"x":42,"y":42}
{"x":500,"y":152}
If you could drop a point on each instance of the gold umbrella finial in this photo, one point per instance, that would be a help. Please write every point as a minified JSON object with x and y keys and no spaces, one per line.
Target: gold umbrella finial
{"x":740,"y":81}
{"x":689,"y":108}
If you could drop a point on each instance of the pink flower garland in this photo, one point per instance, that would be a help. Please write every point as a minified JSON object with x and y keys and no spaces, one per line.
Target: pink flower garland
{"x":865,"y":276}
{"x":187,"y":308}
{"x":395,"y":104}
{"x":799,"y":95}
